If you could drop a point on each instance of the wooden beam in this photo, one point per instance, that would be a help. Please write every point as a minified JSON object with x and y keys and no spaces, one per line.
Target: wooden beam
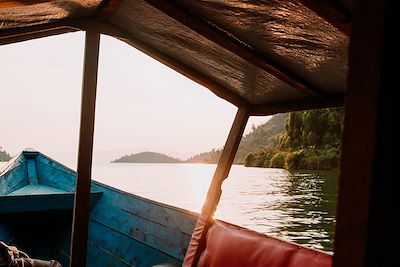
{"x":225,"y":161}
{"x":84,"y":171}
{"x":296,"y":105}
{"x":197,"y":242}
{"x":237,"y":47}
{"x":336,"y":16}
{"x":191,"y":73}
{"x":105,"y":8}
{"x":358,"y":242}
{"x":16,"y":35}
{"x":19,"y":3}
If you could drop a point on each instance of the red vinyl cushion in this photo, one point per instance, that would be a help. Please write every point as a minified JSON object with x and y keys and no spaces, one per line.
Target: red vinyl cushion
{"x":233,"y":246}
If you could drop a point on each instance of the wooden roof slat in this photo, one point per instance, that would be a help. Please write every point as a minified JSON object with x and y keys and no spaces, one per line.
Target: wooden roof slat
{"x":21,"y":14}
{"x":340,"y":19}
{"x":106,"y":7}
{"x":236,"y":46}
{"x":98,"y":20}
{"x":10,"y":36}
{"x":19,"y":3}
{"x":296,"y":105}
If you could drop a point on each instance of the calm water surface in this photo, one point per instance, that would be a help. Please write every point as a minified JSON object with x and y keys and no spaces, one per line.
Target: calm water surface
{"x":299,"y":206}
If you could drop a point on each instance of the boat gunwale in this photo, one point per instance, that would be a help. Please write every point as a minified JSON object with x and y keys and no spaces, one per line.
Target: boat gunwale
{"x":10,"y":165}
{"x":109,"y":187}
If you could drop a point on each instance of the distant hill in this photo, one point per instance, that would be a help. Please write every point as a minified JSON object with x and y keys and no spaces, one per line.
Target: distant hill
{"x":147,"y":157}
{"x":263,"y":136}
{"x":206,"y":157}
{"x":4,"y":156}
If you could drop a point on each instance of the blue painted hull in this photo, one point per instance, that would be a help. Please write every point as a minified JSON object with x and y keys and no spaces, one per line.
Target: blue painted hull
{"x":36,"y":199}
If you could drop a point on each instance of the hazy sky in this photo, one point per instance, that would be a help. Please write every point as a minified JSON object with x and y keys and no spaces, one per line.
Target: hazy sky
{"x":141,"y":104}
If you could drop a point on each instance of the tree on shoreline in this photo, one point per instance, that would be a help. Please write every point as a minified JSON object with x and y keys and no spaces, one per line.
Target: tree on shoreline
{"x":4,"y":156}
{"x":311,"y":141}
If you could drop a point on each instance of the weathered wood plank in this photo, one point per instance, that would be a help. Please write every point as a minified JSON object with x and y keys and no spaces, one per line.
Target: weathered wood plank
{"x":32,"y":173}
{"x":157,"y":225}
{"x":14,"y":178}
{"x":41,"y":202}
{"x":171,"y":241}
{"x":29,"y":203}
{"x":121,"y":247}
{"x":340,"y":19}
{"x":55,"y":177}
{"x":97,"y":256}
{"x":85,"y":151}
{"x":197,"y":242}
{"x":54,"y":164}
{"x":297,"y":105}
{"x":238,"y":47}
{"x":147,"y":209}
{"x":364,"y":183}
{"x":16,"y":14}
{"x":9,"y":36}
{"x":19,"y":3}
{"x":36,"y":189}
{"x":225,"y":162}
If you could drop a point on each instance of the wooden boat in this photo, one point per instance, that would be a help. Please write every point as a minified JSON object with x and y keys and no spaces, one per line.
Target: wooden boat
{"x":264,"y":57}
{"x":124,"y":229}
{"x":38,"y":191}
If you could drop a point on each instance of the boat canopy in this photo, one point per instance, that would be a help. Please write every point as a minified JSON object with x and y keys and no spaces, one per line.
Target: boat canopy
{"x":265,"y":57}
{"x":253,"y":53}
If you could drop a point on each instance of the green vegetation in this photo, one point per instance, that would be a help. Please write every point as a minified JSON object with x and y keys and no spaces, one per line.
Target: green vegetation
{"x":262,"y":137}
{"x":311,"y":141}
{"x":4,"y":156}
{"x":147,"y":157}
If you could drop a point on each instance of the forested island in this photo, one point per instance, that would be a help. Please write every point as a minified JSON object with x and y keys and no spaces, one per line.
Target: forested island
{"x":4,"y":156}
{"x":147,"y":157}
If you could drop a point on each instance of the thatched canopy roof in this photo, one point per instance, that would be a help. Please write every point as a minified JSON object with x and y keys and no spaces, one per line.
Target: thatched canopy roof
{"x":271,"y":55}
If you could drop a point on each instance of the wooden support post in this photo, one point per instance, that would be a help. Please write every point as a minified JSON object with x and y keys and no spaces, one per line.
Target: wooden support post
{"x":365,"y":225}
{"x":197,"y":242}
{"x":84,"y":172}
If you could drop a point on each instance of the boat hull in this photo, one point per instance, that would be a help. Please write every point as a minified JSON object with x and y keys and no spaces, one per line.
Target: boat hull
{"x":124,"y":229}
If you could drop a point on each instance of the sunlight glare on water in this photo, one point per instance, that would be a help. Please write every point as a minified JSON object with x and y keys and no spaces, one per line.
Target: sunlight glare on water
{"x":181,"y":185}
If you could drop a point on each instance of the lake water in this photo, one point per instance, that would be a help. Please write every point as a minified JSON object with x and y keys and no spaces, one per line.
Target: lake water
{"x":298,"y":206}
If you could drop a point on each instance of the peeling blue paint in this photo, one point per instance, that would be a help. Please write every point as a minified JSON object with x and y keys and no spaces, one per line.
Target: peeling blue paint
{"x":124,"y":229}
{"x":32,"y":174}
